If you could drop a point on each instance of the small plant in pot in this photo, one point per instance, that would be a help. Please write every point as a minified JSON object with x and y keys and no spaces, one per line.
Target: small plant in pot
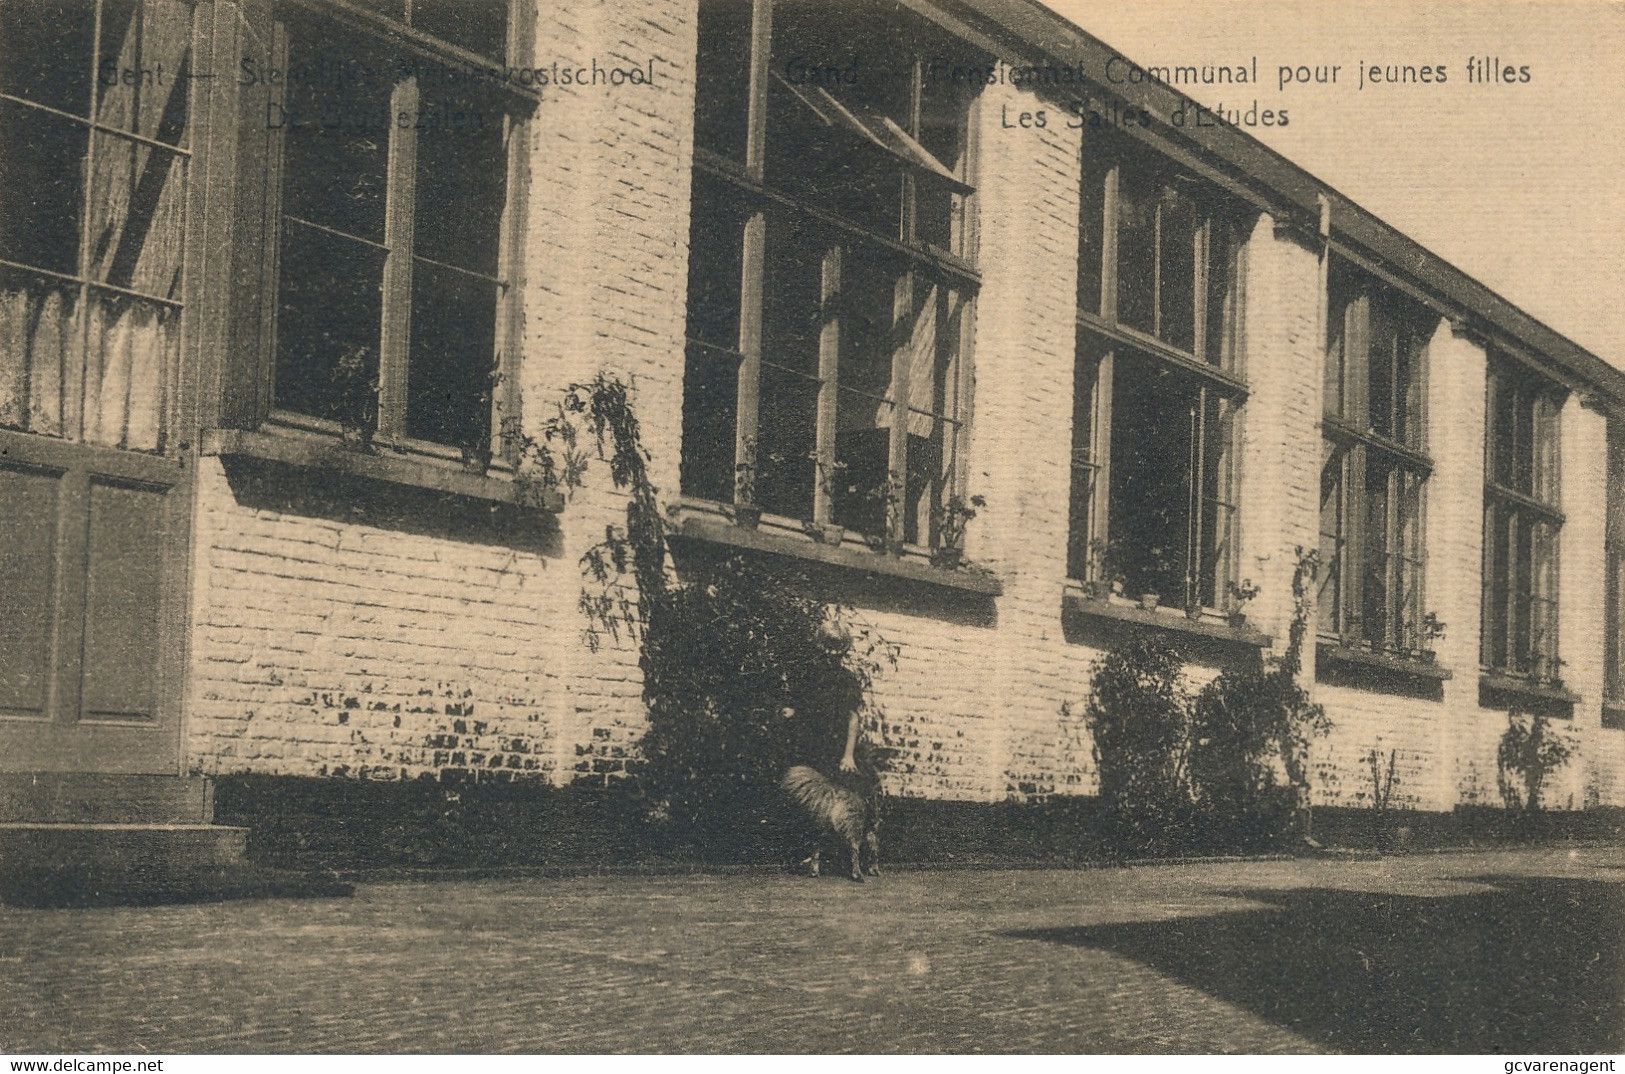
{"x":1159,"y":563}
{"x":889,"y":494}
{"x":746,"y":511}
{"x":1242,"y":593}
{"x":952,"y":518}
{"x":830,"y":472}
{"x":355,"y":396}
{"x":1432,"y":630}
{"x":1106,"y":568}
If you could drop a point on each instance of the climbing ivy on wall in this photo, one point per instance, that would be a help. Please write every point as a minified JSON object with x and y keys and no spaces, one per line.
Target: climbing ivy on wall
{"x":743,"y":675}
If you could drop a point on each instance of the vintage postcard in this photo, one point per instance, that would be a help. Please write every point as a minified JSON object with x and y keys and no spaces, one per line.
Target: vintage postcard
{"x":780,"y":526}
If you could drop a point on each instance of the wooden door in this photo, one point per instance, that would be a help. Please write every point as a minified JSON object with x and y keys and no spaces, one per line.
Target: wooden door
{"x":91,"y":548}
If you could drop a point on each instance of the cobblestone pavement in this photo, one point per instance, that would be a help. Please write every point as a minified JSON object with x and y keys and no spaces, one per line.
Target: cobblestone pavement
{"x":1506,"y":951}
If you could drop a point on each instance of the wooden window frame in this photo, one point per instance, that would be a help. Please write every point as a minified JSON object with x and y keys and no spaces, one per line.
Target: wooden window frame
{"x":1613,"y":674}
{"x":83,"y":279}
{"x":927,"y":262}
{"x":1091,"y":462}
{"x":249,"y":386}
{"x":1350,"y":434}
{"x":1538,"y":508}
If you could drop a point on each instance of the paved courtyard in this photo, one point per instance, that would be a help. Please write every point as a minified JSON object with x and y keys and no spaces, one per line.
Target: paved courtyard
{"x":1507,"y":951}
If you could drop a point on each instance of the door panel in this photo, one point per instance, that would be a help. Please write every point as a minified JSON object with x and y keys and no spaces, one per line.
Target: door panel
{"x":122,"y":595}
{"x":28,"y":506}
{"x":91,"y":561}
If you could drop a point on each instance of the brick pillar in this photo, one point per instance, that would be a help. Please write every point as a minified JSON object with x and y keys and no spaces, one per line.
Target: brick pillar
{"x":605,"y":290}
{"x":1454,"y":555}
{"x":1582,"y":585}
{"x":1027,"y":213}
{"x":1282,"y":347}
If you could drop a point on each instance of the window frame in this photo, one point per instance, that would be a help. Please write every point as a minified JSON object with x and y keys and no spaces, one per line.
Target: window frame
{"x":1356,"y":446}
{"x":250,"y":394}
{"x":1540,"y":509}
{"x":1089,"y":527}
{"x":943,"y":270}
{"x":1613,"y":676}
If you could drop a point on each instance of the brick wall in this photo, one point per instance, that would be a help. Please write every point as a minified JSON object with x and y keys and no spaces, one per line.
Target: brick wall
{"x":339,"y":639}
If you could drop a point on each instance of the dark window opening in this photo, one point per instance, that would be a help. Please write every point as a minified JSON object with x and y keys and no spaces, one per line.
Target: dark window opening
{"x":1374,"y":473}
{"x":1522,"y":521}
{"x":1152,"y":492}
{"x":825,"y":376}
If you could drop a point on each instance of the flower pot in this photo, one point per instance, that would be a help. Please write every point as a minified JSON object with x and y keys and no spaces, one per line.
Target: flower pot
{"x":829,"y":534}
{"x":747,"y":515}
{"x":356,"y":438}
{"x":1149,"y":601}
{"x":947,"y":559}
{"x":1237,"y":620}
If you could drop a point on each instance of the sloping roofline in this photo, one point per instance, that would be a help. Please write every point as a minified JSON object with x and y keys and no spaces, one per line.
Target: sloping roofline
{"x":1030,"y":33}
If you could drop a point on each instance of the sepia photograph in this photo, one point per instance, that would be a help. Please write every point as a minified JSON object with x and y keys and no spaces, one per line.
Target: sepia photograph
{"x":794,"y":527}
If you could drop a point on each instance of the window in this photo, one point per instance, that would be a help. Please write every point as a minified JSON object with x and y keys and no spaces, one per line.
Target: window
{"x":829,"y":286}
{"x":1521,"y":524}
{"x":1156,"y":388}
{"x":391,"y":138}
{"x":1614,"y":613}
{"x":96,"y":133}
{"x":1374,"y":469}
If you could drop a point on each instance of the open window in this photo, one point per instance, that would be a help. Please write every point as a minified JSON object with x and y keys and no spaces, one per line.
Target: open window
{"x":829,"y":285}
{"x":1156,"y":387}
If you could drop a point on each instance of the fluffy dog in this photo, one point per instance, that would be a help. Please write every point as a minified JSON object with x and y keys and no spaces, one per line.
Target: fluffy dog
{"x":837,"y":810}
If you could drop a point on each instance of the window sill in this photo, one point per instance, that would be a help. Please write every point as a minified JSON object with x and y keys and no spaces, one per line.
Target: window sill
{"x":1170,"y":619}
{"x":717,"y":531}
{"x":1497,"y":683}
{"x":324,"y":453}
{"x":1334,"y":655}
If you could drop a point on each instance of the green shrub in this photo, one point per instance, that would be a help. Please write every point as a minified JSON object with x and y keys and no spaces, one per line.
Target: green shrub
{"x":1226,"y":769}
{"x":1137,"y":714}
{"x":1250,"y":733}
{"x":743,"y":676}
{"x":1529,"y":752}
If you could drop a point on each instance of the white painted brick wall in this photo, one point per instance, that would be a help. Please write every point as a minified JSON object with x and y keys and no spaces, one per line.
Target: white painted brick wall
{"x":325,"y":647}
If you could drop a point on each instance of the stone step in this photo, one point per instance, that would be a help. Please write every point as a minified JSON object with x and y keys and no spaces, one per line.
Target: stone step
{"x":92,"y":798}
{"x":37,"y":858}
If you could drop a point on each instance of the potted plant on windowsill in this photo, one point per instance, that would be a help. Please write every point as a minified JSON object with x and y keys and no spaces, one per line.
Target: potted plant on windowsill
{"x":889,"y":494}
{"x":355,"y":397}
{"x":1158,"y":563}
{"x":1242,"y":593}
{"x":829,"y":471}
{"x":952,"y":518}
{"x":747,"y":513}
{"x":1106,"y":568}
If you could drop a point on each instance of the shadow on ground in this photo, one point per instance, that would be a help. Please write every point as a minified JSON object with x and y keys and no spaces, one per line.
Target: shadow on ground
{"x":1536,"y":965}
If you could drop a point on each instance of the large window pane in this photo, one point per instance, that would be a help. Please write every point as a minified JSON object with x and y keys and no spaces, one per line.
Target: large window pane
{"x":1155,"y":414}
{"x":41,"y":188}
{"x":462,"y":179}
{"x":330,"y":313}
{"x":336,"y":133}
{"x":144,"y":68}
{"x":1176,"y":285}
{"x":723,"y":72}
{"x":451,"y":362}
{"x":45,"y":54}
{"x":1137,"y":197}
